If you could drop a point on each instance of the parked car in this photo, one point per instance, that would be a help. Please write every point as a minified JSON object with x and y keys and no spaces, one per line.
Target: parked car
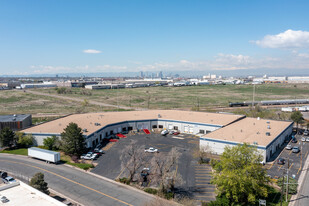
{"x":89,"y":156}
{"x":295,"y":149}
{"x":307,"y":139}
{"x":303,"y":139}
{"x":3,"y":199}
{"x":288,"y":147}
{"x":176,"y":133}
{"x":9,"y":180}
{"x":294,"y":140}
{"x":306,"y":132}
{"x":164,"y":132}
{"x":99,"y":146}
{"x":151,"y":150}
{"x":281,"y":161}
{"x":98,"y":151}
{"x":171,"y":132}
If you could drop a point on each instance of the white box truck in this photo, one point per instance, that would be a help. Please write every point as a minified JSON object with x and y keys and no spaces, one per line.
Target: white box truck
{"x":43,"y":154}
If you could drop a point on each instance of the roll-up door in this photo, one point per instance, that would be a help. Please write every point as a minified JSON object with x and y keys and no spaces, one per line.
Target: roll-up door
{"x":191,"y":130}
{"x":186,"y":129}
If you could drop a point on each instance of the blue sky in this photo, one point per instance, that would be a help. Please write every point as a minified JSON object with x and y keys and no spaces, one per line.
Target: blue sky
{"x":56,"y":36}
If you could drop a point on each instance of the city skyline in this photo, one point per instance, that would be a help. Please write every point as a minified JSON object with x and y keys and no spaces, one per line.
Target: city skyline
{"x":57,"y":37}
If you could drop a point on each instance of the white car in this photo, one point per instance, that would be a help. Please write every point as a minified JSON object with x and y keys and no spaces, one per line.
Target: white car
{"x":151,"y":150}
{"x":303,"y":139}
{"x":89,"y":156}
{"x":288,"y":147}
{"x":307,"y":139}
{"x":164,"y":132}
{"x":9,"y":180}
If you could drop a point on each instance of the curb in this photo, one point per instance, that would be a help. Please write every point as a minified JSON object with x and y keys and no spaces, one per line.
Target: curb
{"x":300,"y":181}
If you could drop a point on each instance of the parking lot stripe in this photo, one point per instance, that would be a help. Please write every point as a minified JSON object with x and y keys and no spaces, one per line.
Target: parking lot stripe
{"x":306,"y":154}
{"x":290,"y":152}
{"x":279,"y":167}
{"x":299,"y":170}
{"x":291,"y":166}
{"x":120,"y":173}
{"x":271,"y":165}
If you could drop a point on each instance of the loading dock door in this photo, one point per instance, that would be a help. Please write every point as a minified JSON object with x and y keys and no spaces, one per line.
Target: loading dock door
{"x":170,"y":126}
{"x":186,"y":129}
{"x":191,"y":130}
{"x":140,"y":126}
{"x":119,"y":129}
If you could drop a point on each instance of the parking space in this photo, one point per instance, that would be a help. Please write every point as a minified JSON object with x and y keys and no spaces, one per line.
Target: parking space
{"x":294,"y":162}
{"x":196,"y":177}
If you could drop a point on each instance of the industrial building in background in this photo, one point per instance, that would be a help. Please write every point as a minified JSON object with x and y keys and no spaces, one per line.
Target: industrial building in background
{"x":15,"y":122}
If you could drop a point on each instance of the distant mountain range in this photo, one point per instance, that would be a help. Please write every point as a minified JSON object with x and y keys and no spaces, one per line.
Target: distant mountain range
{"x":188,"y":73}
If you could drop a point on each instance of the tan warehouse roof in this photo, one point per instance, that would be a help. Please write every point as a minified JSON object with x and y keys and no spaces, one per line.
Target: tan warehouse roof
{"x":250,"y":130}
{"x":88,"y":120}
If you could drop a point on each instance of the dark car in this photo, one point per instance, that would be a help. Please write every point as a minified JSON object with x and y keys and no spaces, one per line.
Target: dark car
{"x":294,"y":140}
{"x":281,"y":161}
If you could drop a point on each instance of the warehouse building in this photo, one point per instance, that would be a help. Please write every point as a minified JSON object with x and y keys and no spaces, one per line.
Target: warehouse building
{"x":97,"y":126}
{"x":16,"y":121}
{"x":216,"y":130}
{"x":267,"y":135}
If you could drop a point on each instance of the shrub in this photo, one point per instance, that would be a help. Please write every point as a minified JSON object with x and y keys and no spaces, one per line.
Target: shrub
{"x":151,"y":191}
{"x":25,"y":141}
{"x":124,"y":180}
{"x":220,"y":201}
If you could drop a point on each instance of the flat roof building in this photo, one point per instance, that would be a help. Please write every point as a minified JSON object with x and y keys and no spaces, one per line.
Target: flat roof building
{"x":15,"y":121}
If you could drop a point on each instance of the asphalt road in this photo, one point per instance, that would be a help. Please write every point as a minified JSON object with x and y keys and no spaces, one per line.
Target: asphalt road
{"x":77,"y":185}
{"x":303,"y":196}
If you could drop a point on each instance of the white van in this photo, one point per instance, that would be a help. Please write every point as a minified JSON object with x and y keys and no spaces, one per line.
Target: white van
{"x":164,"y":132}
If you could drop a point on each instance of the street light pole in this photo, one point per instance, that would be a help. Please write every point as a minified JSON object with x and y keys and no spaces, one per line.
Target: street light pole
{"x":287,"y":179}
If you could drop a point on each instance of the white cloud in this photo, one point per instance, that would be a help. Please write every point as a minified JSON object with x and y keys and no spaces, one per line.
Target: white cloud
{"x":91,"y":51}
{"x":289,"y":39}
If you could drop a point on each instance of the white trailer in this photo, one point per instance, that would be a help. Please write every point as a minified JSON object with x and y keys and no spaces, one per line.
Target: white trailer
{"x":43,"y":154}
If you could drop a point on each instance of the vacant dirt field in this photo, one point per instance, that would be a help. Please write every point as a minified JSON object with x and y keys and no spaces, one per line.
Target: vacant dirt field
{"x":207,"y":97}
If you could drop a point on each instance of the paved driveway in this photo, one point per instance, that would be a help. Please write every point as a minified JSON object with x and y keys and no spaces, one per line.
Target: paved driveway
{"x":77,"y":185}
{"x":109,"y":164}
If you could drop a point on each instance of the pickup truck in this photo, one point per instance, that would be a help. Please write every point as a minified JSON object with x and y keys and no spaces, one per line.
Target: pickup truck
{"x":89,"y":156}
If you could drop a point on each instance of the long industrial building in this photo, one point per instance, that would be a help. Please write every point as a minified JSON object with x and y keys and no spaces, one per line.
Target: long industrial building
{"x":215,"y":129}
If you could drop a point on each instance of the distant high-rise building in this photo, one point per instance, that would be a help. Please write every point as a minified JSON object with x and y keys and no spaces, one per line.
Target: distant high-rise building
{"x":141,"y":74}
{"x":160,"y":75}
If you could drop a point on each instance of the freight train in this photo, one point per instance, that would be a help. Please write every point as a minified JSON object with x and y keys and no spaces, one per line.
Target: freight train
{"x":269,"y":102}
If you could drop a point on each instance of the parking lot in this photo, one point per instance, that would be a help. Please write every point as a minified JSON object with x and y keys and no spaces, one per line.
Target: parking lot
{"x":293,"y":161}
{"x":196,"y":177}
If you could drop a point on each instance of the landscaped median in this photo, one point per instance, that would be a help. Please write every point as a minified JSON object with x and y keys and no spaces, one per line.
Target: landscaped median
{"x":66,"y":159}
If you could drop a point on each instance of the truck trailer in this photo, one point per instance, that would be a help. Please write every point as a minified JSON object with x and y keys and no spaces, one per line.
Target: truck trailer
{"x":43,"y":154}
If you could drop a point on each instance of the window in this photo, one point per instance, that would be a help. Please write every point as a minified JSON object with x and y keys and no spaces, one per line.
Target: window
{"x":130,"y":128}
{"x":111,"y":132}
{"x":207,"y":131}
{"x":160,"y":126}
{"x":202,"y":131}
{"x":106,"y":134}
{"x":154,"y":126}
{"x":124,"y":129}
{"x":175,"y":127}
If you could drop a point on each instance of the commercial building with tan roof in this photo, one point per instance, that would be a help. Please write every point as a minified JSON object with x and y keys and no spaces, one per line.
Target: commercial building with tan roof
{"x":267,"y":135}
{"x":97,"y":126}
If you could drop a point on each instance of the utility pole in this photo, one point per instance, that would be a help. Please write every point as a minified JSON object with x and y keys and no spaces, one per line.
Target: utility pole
{"x":198,"y":104}
{"x":287,"y":183}
{"x":281,"y":197}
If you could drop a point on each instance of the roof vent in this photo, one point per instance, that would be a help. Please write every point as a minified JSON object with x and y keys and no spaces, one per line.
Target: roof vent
{"x":258,"y":118}
{"x":241,"y":130}
{"x":268,"y":122}
{"x":159,"y":115}
{"x":255,"y":143}
{"x":14,"y":115}
{"x":268,"y":127}
{"x":267,"y":133}
{"x":97,"y":124}
{"x":85,"y":130}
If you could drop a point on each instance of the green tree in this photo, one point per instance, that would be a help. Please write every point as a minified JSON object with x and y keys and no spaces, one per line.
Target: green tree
{"x":297,"y":117}
{"x":7,"y":137}
{"x":37,"y":181}
{"x":25,"y":140}
{"x":239,"y":175}
{"x":72,"y":140}
{"x":51,"y":142}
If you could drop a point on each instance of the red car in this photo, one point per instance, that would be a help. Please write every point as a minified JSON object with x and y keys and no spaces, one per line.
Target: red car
{"x":176,"y":133}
